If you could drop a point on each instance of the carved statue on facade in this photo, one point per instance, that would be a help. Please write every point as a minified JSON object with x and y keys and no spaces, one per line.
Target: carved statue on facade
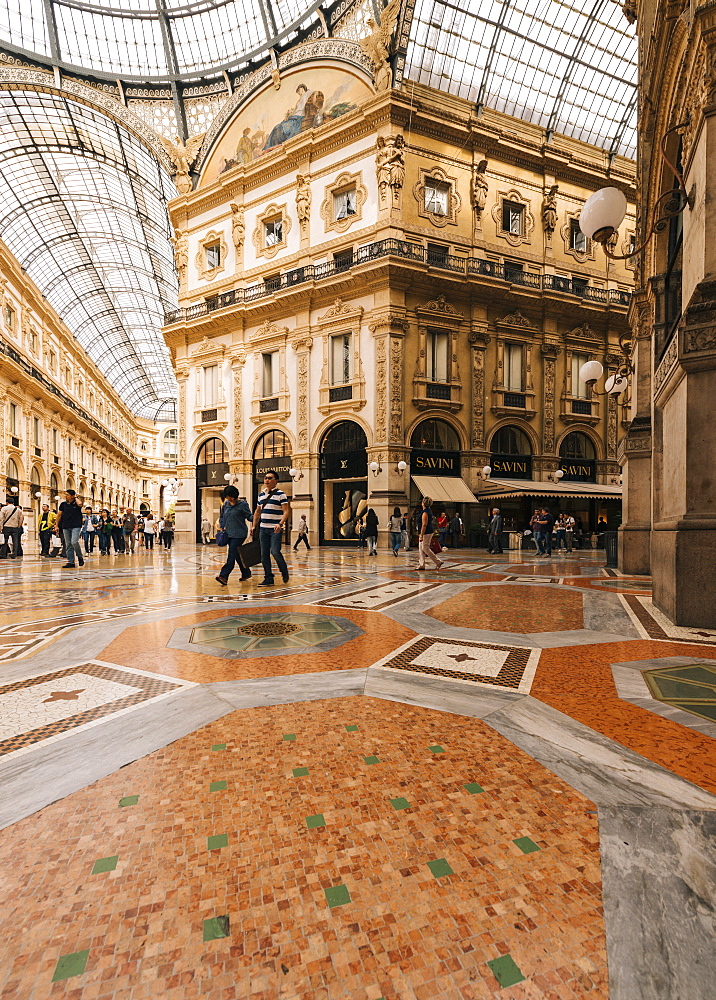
{"x":182,"y":155}
{"x":390,"y":165}
{"x":549,"y":210}
{"x":478,"y":189}
{"x":629,"y":10}
{"x":303,"y":199}
{"x":180,"y":242}
{"x":238,"y":226}
{"x":378,"y":44}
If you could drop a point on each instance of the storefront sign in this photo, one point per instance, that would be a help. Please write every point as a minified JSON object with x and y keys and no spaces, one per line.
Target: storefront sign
{"x":511,"y":466}
{"x":280,"y":465}
{"x":211,"y":475}
{"x":578,"y":470}
{"x":434,"y":463}
{"x":351,"y":466}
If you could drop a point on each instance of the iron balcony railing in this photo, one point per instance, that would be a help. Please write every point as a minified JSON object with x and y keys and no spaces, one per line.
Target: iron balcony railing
{"x":468,"y":266}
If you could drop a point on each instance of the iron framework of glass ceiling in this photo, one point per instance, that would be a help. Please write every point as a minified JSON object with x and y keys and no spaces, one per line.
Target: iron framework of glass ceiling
{"x":85,"y":201}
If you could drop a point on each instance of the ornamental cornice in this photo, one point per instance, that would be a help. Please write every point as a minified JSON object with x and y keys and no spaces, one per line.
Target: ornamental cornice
{"x":442,"y":308}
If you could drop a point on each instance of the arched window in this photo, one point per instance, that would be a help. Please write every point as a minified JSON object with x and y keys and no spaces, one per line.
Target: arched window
{"x":212,"y":452}
{"x":347,"y":436}
{"x":510,"y":441}
{"x":577,"y":445}
{"x":54,"y":485}
{"x":435,"y":435}
{"x":12,"y":471}
{"x":272,"y":444}
{"x":171,"y":448}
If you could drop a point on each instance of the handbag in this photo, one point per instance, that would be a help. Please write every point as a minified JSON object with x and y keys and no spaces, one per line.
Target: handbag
{"x":250,"y":552}
{"x":222,"y":538}
{"x":55,"y":542}
{"x":435,"y":545}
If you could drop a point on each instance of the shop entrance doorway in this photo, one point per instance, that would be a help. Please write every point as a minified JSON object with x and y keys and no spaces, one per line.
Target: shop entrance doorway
{"x":212,"y":464}
{"x":344,"y":483}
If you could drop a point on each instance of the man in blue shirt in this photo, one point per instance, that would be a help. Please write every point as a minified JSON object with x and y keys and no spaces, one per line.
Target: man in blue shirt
{"x":235,"y":512}
{"x":272,"y":512}
{"x":543,"y":534}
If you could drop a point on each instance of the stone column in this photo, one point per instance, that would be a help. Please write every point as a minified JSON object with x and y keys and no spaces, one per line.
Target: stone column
{"x":479,"y":339}
{"x":306,"y":487}
{"x":550,"y":352}
{"x":184,"y":526}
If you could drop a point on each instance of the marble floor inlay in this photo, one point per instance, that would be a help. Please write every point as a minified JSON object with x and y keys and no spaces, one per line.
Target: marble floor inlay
{"x":289,"y":632}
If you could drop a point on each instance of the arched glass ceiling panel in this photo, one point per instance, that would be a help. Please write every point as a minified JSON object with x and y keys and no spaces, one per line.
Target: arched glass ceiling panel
{"x":83,"y":209}
{"x":569,"y":67}
{"x":150,"y":38}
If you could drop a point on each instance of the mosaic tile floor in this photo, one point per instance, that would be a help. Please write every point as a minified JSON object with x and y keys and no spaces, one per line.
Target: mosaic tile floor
{"x":203,"y":796}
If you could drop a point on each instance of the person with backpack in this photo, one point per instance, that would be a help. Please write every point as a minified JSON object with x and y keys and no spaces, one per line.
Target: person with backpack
{"x":428,"y":524}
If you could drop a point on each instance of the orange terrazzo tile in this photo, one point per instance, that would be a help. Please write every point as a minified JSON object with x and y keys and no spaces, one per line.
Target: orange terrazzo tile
{"x":578,"y":681}
{"x":144,"y":647}
{"x":402,"y":932}
{"x":512,"y":608}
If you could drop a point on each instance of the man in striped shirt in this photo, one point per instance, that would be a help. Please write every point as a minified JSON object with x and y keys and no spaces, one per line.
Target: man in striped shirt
{"x":272,"y":512}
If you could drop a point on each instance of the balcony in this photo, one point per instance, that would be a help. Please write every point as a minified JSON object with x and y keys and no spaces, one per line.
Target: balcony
{"x":338,"y":393}
{"x":582,"y":407}
{"x":437,"y":390}
{"x":209,"y":416}
{"x":516,"y":399}
{"x":414,"y":253}
{"x":268,"y":405}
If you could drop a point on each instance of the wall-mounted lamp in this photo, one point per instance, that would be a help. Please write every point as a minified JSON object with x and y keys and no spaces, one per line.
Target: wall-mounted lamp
{"x":592,"y":371}
{"x":295,"y":474}
{"x":38,"y":495}
{"x":58,"y":497}
{"x":554,"y":477}
{"x":485,"y":472}
{"x":604,"y":212}
{"x":230,"y":477}
{"x":402,"y":466}
{"x":14,"y":489}
{"x":375,"y":468}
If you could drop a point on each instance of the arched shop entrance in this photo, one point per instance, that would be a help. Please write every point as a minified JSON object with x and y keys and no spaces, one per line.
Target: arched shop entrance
{"x":212,"y":464}
{"x":344,"y":482}
{"x":272,"y":451}
{"x":510,"y":454}
{"x":435,"y":471}
{"x":578,"y":459}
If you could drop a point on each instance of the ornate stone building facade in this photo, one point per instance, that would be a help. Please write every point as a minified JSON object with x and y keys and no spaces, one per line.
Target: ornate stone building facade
{"x":669,"y":452}
{"x":388,"y":279}
{"x":61,"y":424}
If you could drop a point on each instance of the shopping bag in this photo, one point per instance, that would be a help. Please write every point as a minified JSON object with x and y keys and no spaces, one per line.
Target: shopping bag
{"x":55,"y":542}
{"x":222,"y":538}
{"x":250,"y":552}
{"x":435,"y":545}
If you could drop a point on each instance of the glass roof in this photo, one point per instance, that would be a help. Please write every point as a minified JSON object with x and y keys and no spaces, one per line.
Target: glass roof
{"x":151,"y":38}
{"x":83,"y":209}
{"x":566,"y":65}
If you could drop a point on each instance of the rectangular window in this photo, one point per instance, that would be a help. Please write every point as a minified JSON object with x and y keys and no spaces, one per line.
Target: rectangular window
{"x":273,"y":232}
{"x":437,"y":194}
{"x":579,"y":387}
{"x":513,"y":367}
{"x":13,"y":419}
{"x":36,"y":432}
{"x":341,"y":358}
{"x":9,"y":317}
{"x":344,"y":204}
{"x":577,"y":239}
{"x":270,"y":382}
{"x":213,"y":256}
{"x":513,"y":218}
{"x":70,"y":451}
{"x":55,"y":442}
{"x":438,"y":355}
{"x":210,"y":385}
{"x":145,"y":487}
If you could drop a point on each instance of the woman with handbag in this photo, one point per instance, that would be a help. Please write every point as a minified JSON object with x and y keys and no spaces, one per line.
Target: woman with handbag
{"x":233,"y":529}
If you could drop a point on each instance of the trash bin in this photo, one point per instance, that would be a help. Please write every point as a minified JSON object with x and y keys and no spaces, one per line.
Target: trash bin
{"x":611,"y":547}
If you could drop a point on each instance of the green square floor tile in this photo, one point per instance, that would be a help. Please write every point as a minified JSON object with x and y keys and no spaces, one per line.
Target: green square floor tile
{"x":105,"y":865}
{"x":400,"y":804}
{"x":219,"y":746}
{"x":372,"y":760}
{"x":70,"y":965}
{"x":337,"y":895}
{"x":505,"y":971}
{"x":351,"y":729}
{"x":440,"y":867}
{"x":216,"y":927}
{"x":300,"y":772}
{"x":526,"y":845}
{"x":217,"y":841}
{"x":289,"y":736}
{"x":218,"y":786}
{"x":314,"y":822}
{"x":473,"y":788}
{"x":129,"y":800}
{"x":437,"y":748}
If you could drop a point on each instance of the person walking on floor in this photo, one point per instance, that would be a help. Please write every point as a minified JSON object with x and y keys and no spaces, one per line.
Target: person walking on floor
{"x":371,"y":532}
{"x":150,"y":531}
{"x":45,"y":526}
{"x":405,"y":530}
{"x":569,"y":531}
{"x":167,"y":532}
{"x":233,"y":516}
{"x":443,"y":526}
{"x":206,"y":529}
{"x":89,"y":530}
{"x":69,"y":522}
{"x":104,"y":532}
{"x":395,"y":526}
{"x":455,"y":530}
{"x":11,"y":521}
{"x":129,"y":524}
{"x":494,"y":535}
{"x":302,"y":534}
{"x":271,"y":514}
{"x":425,"y":536}
{"x":560,"y":527}
{"x":544,"y":536}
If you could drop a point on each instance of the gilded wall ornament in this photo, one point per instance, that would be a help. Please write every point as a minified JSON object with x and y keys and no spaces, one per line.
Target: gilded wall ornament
{"x":378,"y":45}
{"x":182,"y":155}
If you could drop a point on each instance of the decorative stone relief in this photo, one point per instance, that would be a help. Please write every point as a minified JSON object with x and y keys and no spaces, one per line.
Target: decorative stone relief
{"x":180,"y":242}
{"x":549,"y":355}
{"x":478,"y":191}
{"x":237,"y":364}
{"x":381,"y":390}
{"x":479,"y":341}
{"x":441,"y":305}
{"x":378,"y":45}
{"x":515,"y":319}
{"x":549,"y":211}
{"x":302,"y":348}
{"x":303,"y":201}
{"x":390,"y":168}
{"x":612,"y":415}
{"x":182,"y":155}
{"x":182,"y":375}
{"x":566,"y":231}
{"x":238,"y":229}
{"x":396,"y":390}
